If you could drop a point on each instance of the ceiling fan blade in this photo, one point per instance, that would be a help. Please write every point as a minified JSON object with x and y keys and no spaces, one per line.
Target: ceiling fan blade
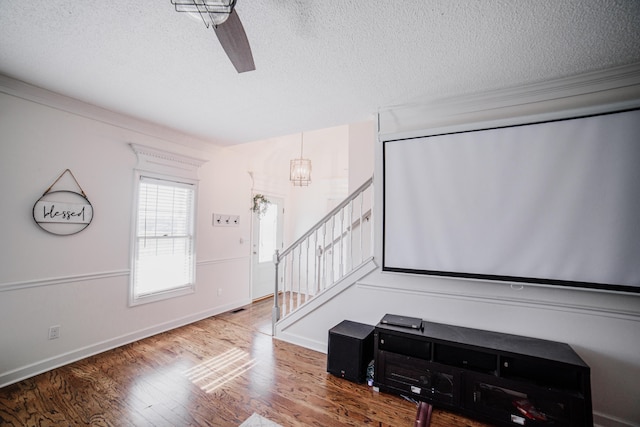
{"x":234,"y":42}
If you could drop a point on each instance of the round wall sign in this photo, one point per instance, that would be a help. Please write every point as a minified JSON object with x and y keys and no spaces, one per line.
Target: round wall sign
{"x":63,"y":212}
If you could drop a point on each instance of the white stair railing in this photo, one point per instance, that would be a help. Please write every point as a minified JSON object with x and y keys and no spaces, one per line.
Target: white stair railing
{"x":331,"y":249}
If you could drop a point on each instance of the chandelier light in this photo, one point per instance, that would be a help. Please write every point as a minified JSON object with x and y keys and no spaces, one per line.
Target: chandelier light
{"x":300,"y":170}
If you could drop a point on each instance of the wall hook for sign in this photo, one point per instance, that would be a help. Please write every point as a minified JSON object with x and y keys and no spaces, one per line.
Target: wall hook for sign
{"x":63,"y":212}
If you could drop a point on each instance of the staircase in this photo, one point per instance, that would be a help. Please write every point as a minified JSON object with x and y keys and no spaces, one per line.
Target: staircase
{"x":329,"y":253}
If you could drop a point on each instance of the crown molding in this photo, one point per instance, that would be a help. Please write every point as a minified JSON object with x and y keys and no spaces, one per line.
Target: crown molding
{"x":597,"y":91}
{"x":47,"y":98}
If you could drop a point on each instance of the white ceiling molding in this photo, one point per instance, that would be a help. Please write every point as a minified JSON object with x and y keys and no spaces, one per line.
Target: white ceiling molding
{"x":47,"y":98}
{"x":318,"y":64}
{"x":608,"y":90}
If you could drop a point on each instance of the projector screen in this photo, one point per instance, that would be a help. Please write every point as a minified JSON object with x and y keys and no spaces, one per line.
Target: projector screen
{"x":556,"y":202}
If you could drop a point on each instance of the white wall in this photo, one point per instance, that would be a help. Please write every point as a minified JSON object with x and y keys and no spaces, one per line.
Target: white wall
{"x":362,"y":138}
{"x":342,"y":159}
{"x":268,"y":163}
{"x":80,"y":282}
{"x":603,"y":328}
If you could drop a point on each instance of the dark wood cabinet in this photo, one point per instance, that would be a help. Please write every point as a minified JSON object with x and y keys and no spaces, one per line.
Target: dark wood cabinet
{"x":499,"y":378}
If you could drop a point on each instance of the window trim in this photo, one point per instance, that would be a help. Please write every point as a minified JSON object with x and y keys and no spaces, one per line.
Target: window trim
{"x":167,"y":166}
{"x":189,"y":288}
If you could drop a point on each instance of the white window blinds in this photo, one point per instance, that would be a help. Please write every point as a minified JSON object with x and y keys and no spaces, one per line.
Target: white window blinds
{"x":164,"y":253}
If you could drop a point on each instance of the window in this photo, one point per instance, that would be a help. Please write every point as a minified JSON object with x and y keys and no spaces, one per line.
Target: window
{"x":268,"y":233}
{"x":163,"y":254}
{"x":164,"y":246}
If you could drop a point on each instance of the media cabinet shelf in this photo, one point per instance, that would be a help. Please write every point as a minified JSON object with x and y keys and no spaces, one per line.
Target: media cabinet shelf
{"x":500,"y":378}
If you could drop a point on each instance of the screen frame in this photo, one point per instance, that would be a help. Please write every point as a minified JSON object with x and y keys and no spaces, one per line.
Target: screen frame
{"x":470,"y":128}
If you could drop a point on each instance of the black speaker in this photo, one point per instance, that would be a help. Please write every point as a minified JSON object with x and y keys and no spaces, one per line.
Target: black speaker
{"x":350,"y":350}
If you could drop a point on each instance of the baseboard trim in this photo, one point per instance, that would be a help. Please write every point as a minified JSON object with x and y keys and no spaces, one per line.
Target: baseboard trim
{"x":282,"y":327}
{"x":604,"y":420}
{"x":57,"y":361}
{"x":302,"y":342}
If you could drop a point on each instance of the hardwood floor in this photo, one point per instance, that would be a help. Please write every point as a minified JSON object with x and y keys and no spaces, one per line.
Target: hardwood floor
{"x":215,"y":372}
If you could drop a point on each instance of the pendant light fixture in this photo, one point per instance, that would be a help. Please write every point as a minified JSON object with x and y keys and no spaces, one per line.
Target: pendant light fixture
{"x":300,"y":169}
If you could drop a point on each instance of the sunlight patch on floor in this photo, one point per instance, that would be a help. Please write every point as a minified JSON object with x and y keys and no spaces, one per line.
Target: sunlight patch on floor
{"x":217,"y":371}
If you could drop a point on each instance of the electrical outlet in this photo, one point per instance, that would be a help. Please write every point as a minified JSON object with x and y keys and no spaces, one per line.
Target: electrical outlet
{"x":54,"y":332}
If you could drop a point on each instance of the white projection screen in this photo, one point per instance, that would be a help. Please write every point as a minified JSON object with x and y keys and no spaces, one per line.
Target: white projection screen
{"x":554,"y":203}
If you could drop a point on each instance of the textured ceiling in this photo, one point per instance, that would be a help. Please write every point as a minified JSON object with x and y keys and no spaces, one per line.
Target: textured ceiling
{"x":319,"y":63}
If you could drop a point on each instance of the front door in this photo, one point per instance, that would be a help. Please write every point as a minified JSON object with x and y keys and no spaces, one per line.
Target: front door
{"x":267,"y":237}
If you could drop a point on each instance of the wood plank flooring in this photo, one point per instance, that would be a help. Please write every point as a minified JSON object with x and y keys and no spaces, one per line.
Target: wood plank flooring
{"x":215,"y":372}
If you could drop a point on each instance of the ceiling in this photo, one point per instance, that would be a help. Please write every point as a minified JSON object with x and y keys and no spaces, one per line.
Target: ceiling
{"x":318,"y":63}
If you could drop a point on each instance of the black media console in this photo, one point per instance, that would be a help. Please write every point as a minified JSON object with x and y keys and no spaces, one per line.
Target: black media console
{"x":499,"y":378}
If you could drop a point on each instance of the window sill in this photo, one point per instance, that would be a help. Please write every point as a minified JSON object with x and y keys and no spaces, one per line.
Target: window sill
{"x":159,"y":296}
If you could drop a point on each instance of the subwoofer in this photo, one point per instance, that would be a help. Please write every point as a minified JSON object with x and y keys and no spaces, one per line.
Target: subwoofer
{"x":350,"y":350}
